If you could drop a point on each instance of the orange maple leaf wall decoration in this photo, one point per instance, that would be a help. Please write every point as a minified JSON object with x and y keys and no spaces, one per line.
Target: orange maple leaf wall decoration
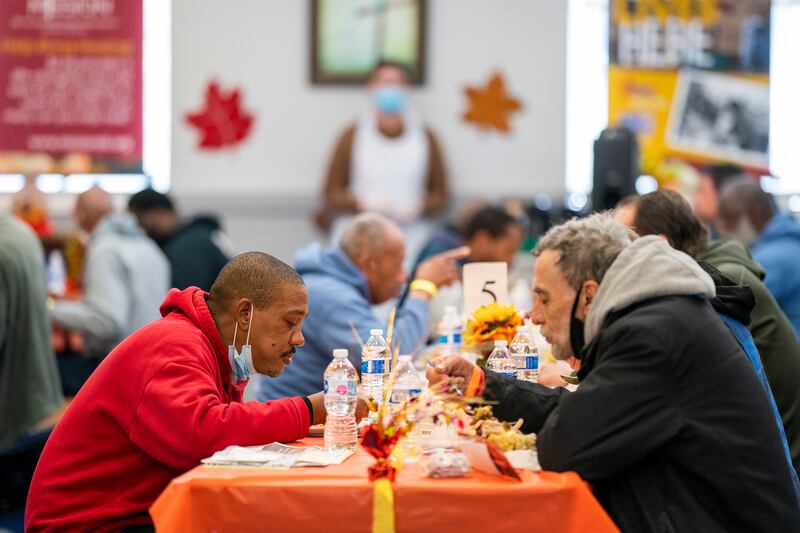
{"x":222,"y":122}
{"x":490,"y":106}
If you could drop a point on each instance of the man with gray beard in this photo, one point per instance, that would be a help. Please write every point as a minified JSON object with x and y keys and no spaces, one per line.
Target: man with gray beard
{"x":670,"y":423}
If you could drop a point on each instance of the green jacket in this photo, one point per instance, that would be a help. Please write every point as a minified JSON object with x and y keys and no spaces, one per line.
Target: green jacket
{"x":772,"y":332}
{"x":30,"y":388}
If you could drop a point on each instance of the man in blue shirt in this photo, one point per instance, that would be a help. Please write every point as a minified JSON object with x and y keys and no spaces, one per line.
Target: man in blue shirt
{"x":749,"y":215}
{"x":366,"y":268}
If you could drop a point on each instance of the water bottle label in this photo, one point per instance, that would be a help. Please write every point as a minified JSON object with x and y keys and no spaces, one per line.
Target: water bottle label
{"x":454,"y":338}
{"x":375,"y":366}
{"x":399,"y":397}
{"x":340,"y":387}
{"x":531,"y":362}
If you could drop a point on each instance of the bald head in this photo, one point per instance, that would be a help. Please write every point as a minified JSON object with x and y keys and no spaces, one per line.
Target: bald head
{"x":370,"y":235}
{"x":256,"y":276}
{"x":745,"y":200}
{"x":376,"y":247}
{"x":91,"y":207}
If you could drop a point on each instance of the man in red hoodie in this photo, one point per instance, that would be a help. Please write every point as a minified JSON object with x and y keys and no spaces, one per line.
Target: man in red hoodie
{"x":170,"y":395}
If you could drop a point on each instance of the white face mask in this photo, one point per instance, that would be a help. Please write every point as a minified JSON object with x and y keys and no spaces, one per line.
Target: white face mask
{"x":744,"y":232}
{"x":241,"y":363}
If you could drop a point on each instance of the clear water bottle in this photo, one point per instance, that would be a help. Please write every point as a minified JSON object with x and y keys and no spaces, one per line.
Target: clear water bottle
{"x":500,"y":360}
{"x":525,"y":355}
{"x":449,"y":331}
{"x":375,"y":365}
{"x":341,"y":431}
{"x":407,"y":384}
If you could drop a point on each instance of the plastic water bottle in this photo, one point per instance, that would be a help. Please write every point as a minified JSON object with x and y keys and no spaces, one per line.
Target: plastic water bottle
{"x":56,"y":273}
{"x":407,"y":384}
{"x":341,"y":431}
{"x":449,"y":330}
{"x":525,"y":355}
{"x":375,"y":365}
{"x":500,"y":360}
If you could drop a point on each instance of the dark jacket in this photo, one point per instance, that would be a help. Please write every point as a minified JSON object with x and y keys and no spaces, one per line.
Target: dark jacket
{"x":670,"y":423}
{"x":772,"y":332}
{"x":194,"y":254}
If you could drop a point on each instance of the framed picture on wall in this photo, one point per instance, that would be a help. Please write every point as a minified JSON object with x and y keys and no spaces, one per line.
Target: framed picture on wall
{"x":348,"y":37}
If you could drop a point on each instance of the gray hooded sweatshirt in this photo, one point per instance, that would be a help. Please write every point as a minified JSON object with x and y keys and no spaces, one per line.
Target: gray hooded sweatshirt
{"x":125,"y":279}
{"x":648,"y":268}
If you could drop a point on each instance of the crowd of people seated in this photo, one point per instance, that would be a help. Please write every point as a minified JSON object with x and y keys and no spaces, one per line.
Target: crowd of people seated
{"x":683,"y":327}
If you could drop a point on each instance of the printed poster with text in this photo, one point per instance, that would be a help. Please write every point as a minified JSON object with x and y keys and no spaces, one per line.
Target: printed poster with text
{"x":70,"y":86}
{"x":691,"y":78}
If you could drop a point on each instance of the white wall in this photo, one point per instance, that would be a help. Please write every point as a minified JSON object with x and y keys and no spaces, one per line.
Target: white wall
{"x":268,"y":186}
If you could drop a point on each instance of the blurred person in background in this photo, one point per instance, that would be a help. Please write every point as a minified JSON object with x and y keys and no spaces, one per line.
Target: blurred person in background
{"x":30,"y":389}
{"x":748,"y":214}
{"x":125,"y":277}
{"x":196,"y":248}
{"x":387,"y":162}
{"x":343,"y":282}
{"x":705,"y":201}
{"x":491,"y":234}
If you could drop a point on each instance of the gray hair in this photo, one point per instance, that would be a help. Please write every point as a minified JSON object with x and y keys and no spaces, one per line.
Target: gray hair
{"x":587,"y":246}
{"x":367,"y":234}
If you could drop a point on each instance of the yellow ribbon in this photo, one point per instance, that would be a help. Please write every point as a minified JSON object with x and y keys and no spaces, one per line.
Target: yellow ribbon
{"x":382,"y":506}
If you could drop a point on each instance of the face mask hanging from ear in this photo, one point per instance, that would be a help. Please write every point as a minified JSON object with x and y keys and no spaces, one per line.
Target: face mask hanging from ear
{"x":241,"y":363}
{"x":576,"y":338}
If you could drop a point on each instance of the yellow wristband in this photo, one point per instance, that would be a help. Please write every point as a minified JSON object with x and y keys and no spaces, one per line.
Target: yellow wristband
{"x":428,"y":287}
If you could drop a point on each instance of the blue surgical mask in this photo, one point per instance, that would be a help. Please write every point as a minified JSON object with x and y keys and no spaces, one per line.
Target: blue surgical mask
{"x":241,"y":363}
{"x":390,"y":99}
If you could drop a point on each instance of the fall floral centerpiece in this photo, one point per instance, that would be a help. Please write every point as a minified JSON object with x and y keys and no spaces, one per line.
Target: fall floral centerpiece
{"x":491,"y":323}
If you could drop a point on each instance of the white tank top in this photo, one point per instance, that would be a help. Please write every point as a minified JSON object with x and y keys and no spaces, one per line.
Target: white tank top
{"x":389,"y":174}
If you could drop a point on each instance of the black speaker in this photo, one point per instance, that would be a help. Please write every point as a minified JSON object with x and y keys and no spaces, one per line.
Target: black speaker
{"x":616,"y":167}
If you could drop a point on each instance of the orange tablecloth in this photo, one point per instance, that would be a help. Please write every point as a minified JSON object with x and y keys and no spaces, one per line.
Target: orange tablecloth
{"x":339,"y":498}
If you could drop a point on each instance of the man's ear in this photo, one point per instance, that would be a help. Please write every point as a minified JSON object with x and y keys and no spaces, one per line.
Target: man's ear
{"x":366,"y":264}
{"x":590,"y":288}
{"x":244,"y":307}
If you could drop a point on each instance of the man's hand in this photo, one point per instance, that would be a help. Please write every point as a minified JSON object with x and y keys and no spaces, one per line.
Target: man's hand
{"x":318,"y":406}
{"x":454,"y":368}
{"x":442,"y":269}
{"x":320,"y":413}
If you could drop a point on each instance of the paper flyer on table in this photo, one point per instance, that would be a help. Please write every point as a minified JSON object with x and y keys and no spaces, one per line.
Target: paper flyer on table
{"x":277,"y":455}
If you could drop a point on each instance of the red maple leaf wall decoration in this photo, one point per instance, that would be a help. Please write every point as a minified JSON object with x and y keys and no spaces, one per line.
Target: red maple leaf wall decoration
{"x":221,"y":122}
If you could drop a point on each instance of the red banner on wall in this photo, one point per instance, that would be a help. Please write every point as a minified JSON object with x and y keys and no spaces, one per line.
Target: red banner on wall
{"x":71,"y":86}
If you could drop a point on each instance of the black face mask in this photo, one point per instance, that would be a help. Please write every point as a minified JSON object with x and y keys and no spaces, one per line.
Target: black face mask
{"x":576,"y":339}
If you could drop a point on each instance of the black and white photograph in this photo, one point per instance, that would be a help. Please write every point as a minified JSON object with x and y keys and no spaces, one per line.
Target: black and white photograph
{"x":720,"y":116}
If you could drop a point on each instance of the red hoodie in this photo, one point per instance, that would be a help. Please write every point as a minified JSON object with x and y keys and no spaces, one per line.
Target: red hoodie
{"x":157,"y":405}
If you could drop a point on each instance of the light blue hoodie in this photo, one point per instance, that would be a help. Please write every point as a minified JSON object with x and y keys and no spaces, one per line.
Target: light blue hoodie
{"x":338,"y":295}
{"x":777,"y":250}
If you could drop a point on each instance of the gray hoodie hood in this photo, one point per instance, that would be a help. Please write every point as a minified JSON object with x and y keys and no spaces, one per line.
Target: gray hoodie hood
{"x":123,"y":224}
{"x":648,"y":268}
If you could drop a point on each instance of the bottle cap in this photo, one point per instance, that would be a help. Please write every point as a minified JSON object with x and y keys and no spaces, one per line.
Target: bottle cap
{"x":375,"y":332}
{"x":340,"y":352}
{"x":501,"y":343}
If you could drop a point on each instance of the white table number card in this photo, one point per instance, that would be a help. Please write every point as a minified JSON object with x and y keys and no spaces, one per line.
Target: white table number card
{"x":484,"y":283}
